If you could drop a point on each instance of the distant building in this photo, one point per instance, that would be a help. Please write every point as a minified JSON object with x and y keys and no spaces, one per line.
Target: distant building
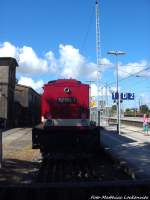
{"x":93,"y":114}
{"x":7,"y":85}
{"x":27,"y":106}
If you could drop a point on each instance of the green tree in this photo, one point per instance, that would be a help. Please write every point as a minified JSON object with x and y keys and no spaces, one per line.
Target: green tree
{"x":113,"y":109}
{"x":127,"y":110}
{"x":144,"y":109}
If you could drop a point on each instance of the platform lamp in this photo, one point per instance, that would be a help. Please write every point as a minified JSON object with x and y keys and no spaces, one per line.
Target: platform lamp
{"x":117,"y":53}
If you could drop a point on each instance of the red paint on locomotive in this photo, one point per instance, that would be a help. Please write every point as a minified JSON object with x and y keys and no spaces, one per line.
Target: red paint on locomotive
{"x":65,"y":99}
{"x":66,"y":126}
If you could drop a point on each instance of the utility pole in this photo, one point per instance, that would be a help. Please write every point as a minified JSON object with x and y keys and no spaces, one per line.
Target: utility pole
{"x":103,"y":102}
{"x":106,"y":103}
{"x":98,"y":58}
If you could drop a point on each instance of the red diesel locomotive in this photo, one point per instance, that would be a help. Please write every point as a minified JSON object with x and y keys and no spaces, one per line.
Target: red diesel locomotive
{"x":65,"y":119}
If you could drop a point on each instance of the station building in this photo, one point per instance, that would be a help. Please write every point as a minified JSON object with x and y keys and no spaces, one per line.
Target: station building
{"x":7,"y":87}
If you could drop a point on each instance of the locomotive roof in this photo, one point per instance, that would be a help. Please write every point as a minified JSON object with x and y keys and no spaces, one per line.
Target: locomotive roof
{"x":61,"y":81}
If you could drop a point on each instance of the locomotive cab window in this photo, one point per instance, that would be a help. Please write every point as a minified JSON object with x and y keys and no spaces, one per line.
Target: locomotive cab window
{"x":66,"y":100}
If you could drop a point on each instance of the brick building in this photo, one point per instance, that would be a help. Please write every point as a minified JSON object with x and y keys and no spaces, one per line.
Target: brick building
{"x":7,"y":85}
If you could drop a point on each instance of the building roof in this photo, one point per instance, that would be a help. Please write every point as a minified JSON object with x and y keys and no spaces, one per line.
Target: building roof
{"x":8,"y":61}
{"x":27,"y":87}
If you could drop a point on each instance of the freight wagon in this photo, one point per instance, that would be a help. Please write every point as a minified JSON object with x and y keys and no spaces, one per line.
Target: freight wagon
{"x":27,"y":106}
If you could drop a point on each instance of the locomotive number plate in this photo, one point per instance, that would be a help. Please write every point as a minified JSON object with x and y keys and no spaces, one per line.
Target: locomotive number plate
{"x":66,"y":100}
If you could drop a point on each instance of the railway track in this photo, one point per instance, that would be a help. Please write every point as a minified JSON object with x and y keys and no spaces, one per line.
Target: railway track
{"x":138,"y":122}
{"x":79,"y":168}
{"x":76,"y":177}
{"x":84,"y":176}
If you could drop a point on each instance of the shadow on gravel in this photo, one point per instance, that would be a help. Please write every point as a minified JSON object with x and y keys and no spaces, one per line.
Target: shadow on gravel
{"x":17,"y":171}
{"x":12,"y":189}
{"x":122,"y":138}
{"x":76,"y":191}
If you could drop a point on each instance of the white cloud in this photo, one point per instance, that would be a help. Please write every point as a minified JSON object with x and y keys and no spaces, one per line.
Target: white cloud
{"x":36,"y":85}
{"x":30,"y":63}
{"x":52,"y":62}
{"x":105,"y":63}
{"x":133,"y":68}
{"x":8,"y":50}
{"x":74,"y":65}
{"x":70,"y":62}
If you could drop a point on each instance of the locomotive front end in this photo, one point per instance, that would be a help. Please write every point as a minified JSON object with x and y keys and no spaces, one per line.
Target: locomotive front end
{"x":65,"y":119}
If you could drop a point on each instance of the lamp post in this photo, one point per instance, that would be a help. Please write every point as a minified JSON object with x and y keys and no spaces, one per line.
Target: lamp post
{"x":117,"y":53}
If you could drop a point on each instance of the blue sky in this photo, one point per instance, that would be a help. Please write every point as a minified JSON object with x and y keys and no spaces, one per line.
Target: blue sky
{"x":53,"y":39}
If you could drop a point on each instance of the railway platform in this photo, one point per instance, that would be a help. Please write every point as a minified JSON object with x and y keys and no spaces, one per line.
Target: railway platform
{"x":131,"y":149}
{"x":19,"y":160}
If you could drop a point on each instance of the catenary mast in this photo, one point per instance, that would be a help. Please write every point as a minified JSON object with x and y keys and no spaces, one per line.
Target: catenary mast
{"x":98,"y":59}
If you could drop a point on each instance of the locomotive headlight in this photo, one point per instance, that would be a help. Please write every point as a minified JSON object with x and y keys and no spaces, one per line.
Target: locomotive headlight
{"x":67,"y":90}
{"x":42,"y":119}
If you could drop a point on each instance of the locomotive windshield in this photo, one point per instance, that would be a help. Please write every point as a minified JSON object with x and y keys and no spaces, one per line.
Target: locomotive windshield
{"x":66,"y":100}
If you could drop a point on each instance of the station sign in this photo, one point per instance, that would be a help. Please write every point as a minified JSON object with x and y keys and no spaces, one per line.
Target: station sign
{"x":123,"y":96}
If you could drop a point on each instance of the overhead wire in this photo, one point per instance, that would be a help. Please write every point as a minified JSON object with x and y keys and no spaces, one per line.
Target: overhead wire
{"x":138,"y":81}
{"x":134,"y":74}
{"x":88,"y":26}
{"x":130,"y":74}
